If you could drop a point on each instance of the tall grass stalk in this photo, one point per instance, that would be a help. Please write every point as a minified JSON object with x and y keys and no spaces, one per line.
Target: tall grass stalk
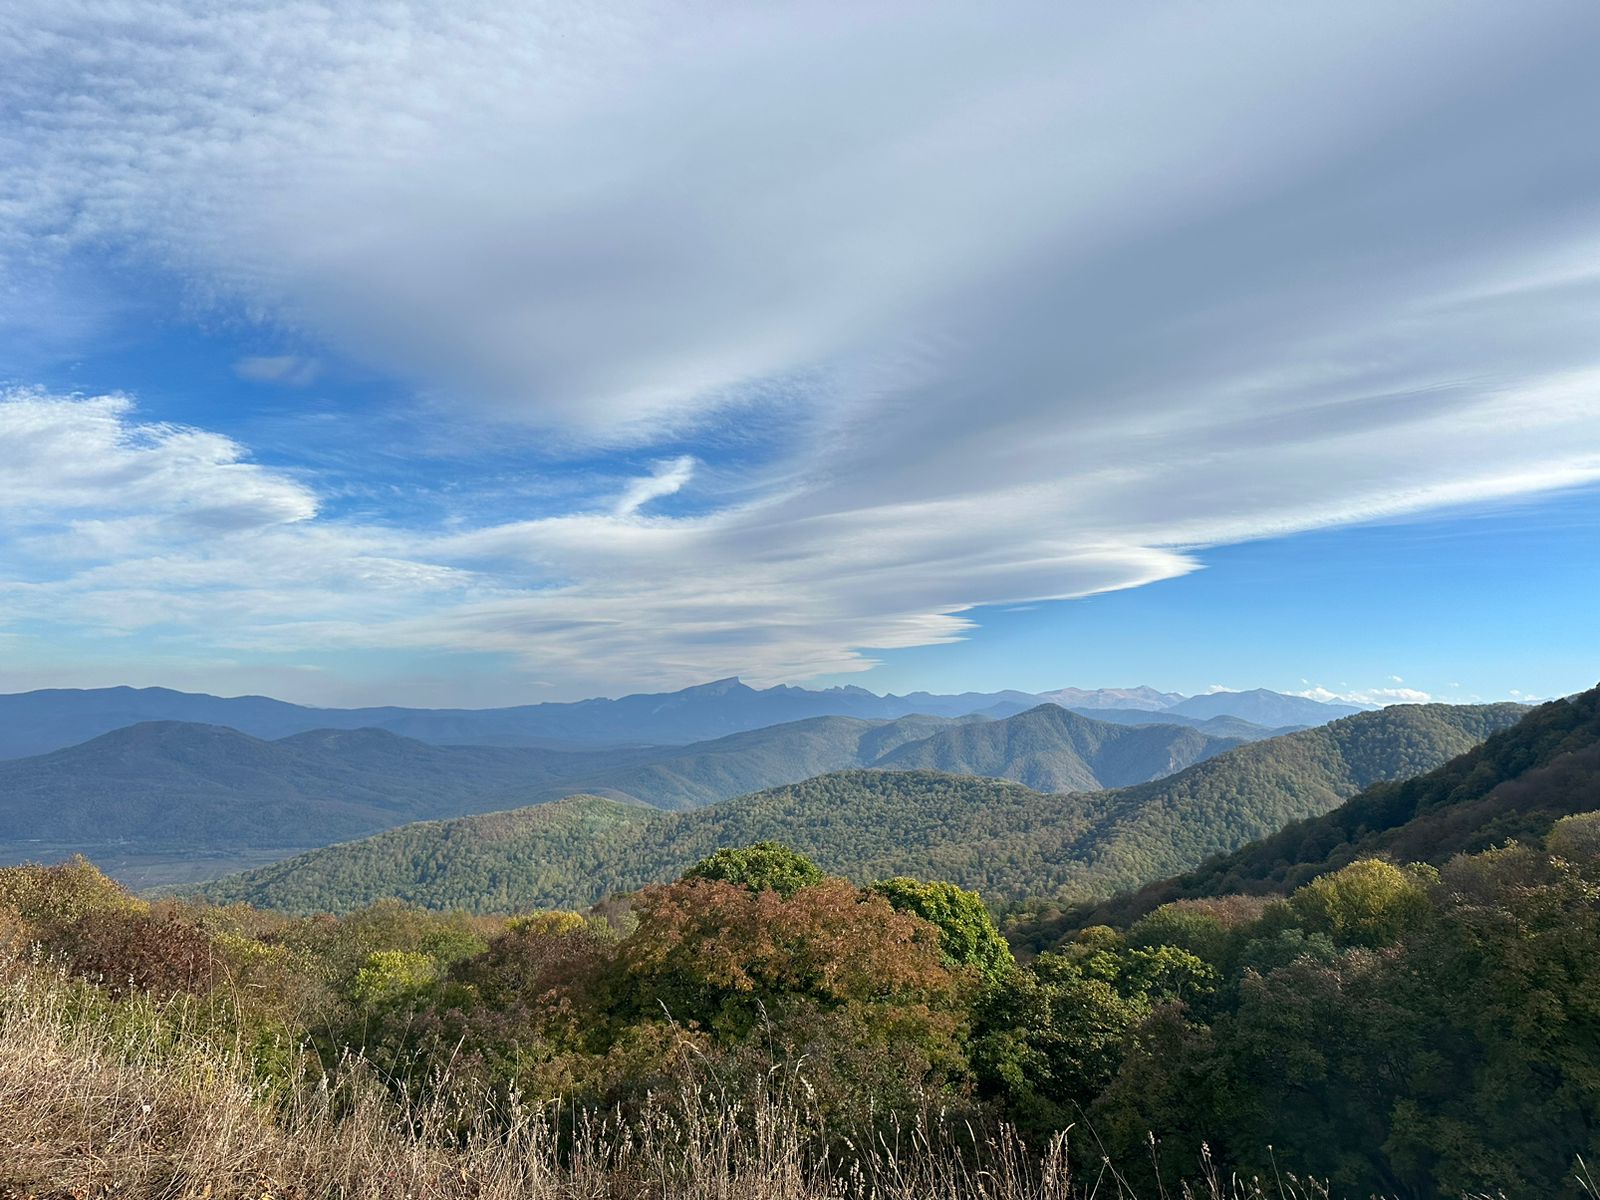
{"x":131,"y":1102}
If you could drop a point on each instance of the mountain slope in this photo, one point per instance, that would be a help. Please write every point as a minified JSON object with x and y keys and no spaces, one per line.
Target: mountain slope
{"x":1515,"y":785}
{"x":745,"y":762}
{"x":1145,"y":699}
{"x":185,"y":786}
{"x":181,"y":784}
{"x":864,"y":824}
{"x":33,"y":723}
{"x":1222,"y":727}
{"x":1052,"y":750}
{"x":1154,"y":829}
{"x":1006,"y":839}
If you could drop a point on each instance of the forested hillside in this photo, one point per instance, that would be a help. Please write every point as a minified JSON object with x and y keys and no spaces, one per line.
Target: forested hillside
{"x":692,"y":776}
{"x":1052,"y":750}
{"x":1155,"y":829}
{"x":180,"y":787}
{"x":199,"y":786}
{"x":1004,"y":839}
{"x":1515,"y":786}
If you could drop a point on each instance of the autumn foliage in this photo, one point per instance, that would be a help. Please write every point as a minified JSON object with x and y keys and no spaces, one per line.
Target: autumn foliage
{"x":1412,"y":1031}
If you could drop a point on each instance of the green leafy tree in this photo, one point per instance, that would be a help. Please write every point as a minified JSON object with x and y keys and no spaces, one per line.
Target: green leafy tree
{"x":765,"y":866}
{"x":1049,"y":1039}
{"x":393,"y":976}
{"x":1368,"y":903}
{"x":967,"y":933}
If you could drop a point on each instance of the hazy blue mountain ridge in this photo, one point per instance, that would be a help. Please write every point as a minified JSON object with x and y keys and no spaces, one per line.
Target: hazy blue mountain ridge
{"x":187,"y":786}
{"x":37,"y":722}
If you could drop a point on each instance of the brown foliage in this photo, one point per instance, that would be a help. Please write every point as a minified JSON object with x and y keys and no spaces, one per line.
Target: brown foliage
{"x":713,"y":940}
{"x":132,"y":951}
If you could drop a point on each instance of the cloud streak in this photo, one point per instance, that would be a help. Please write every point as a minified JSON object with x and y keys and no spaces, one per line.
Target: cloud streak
{"x":1027,"y":309}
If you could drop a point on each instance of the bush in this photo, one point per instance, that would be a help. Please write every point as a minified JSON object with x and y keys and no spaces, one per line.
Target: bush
{"x":54,"y":896}
{"x":130,"y":951}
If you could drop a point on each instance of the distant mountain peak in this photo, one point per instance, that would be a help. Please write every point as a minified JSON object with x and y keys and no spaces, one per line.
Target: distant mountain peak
{"x":1141,"y":697}
{"x":717,"y":687}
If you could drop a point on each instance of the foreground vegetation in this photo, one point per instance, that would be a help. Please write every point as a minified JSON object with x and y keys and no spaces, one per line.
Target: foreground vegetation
{"x":757,"y":1028}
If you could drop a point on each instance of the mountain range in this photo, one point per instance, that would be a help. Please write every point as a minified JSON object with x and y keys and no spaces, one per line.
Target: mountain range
{"x":185,"y":786}
{"x":38,"y":722}
{"x":1002,"y":837}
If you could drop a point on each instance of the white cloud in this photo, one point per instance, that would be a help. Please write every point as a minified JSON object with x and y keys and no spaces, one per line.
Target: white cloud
{"x":1373,"y":697}
{"x":596,"y":601}
{"x":77,"y":464}
{"x":1030,"y":308}
{"x":666,"y":479}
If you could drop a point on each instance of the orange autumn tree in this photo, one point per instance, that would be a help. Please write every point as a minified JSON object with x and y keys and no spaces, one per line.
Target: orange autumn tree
{"x":830,"y":973}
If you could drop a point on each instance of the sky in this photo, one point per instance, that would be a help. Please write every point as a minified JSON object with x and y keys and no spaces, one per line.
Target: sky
{"x":479,"y":354}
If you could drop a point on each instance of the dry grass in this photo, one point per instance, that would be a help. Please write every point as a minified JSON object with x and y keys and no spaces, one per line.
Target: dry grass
{"x":100,"y":1105}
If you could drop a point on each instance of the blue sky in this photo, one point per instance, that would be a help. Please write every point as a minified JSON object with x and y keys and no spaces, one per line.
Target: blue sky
{"x":1485,"y":603}
{"x":479,"y":354}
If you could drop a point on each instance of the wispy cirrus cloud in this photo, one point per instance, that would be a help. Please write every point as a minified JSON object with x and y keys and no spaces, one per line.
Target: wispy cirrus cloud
{"x":667,"y":478}
{"x":1030,"y":308}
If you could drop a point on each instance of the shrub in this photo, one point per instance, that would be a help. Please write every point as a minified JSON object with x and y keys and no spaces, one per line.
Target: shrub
{"x":53,"y":896}
{"x":127,"y":950}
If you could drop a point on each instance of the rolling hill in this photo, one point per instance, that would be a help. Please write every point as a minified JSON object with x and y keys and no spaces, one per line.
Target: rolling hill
{"x":1006,"y":839}
{"x":185,"y":787}
{"x":1514,"y":786}
{"x":170,"y":783}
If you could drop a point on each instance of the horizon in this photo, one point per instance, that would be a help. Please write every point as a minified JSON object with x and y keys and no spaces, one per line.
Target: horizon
{"x":477,"y":358}
{"x":1043,"y":695}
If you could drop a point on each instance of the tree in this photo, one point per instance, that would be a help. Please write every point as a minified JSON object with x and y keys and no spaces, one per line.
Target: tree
{"x":392,"y":976}
{"x":1049,"y":1039}
{"x":765,"y":866}
{"x":711,"y":951}
{"x":967,"y":933}
{"x":1368,"y":903}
